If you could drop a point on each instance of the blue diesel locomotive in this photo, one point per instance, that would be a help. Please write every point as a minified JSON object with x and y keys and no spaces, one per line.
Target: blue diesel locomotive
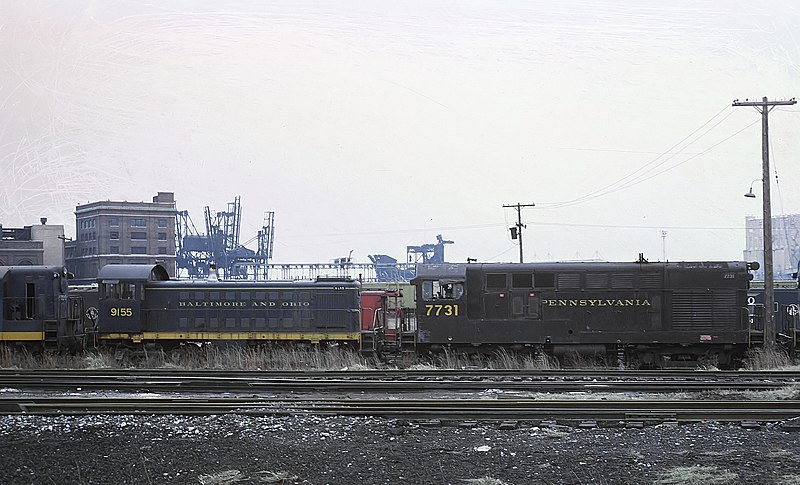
{"x":36,"y":308}
{"x":140,"y":304}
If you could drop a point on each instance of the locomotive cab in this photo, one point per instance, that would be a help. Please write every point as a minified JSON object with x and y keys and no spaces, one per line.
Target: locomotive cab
{"x":121,"y":292}
{"x":442,"y":306}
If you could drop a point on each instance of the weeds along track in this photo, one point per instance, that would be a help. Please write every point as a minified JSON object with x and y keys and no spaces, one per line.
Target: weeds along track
{"x":374,"y":381}
{"x":450,"y":410}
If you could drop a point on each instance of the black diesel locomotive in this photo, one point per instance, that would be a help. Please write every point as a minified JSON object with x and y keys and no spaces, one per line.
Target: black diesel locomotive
{"x":651,"y":313}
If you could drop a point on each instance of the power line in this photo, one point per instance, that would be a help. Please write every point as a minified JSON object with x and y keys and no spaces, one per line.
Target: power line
{"x":632,"y":178}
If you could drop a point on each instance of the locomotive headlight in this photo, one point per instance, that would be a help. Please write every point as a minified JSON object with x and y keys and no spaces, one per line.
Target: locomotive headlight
{"x":449,"y":338}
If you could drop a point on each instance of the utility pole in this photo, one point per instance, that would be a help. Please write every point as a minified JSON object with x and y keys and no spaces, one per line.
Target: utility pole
{"x":516,"y":231}
{"x":764,"y":107}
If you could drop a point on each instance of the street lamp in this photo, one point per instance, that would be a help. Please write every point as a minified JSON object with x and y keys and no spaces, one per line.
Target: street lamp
{"x":750,"y":193}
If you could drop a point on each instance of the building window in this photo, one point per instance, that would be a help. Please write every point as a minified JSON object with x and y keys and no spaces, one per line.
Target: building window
{"x":138,"y":250}
{"x":138,"y":222}
{"x":162,"y":250}
{"x":114,"y":235}
{"x":139,"y":236}
{"x":114,"y":249}
{"x":113,"y":221}
{"x":162,"y":236}
{"x":162,"y":223}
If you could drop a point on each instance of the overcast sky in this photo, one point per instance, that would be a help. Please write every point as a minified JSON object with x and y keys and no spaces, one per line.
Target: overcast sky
{"x":370,"y":126}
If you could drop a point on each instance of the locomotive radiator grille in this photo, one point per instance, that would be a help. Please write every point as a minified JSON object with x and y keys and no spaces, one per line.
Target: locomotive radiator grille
{"x":703,"y":311}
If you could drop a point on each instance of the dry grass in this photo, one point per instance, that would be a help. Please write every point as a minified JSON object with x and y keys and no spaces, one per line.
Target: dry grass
{"x":500,"y":359}
{"x":318,"y":358}
{"x":244,"y":358}
{"x":12,"y":357}
{"x":766,"y":359}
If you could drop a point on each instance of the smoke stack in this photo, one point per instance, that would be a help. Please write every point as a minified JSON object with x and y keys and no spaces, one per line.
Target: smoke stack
{"x":43,"y":220}
{"x":212,"y":272}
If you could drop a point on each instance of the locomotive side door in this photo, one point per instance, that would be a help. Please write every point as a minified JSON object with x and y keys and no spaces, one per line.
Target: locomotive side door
{"x":119,"y":306}
{"x":496,"y":297}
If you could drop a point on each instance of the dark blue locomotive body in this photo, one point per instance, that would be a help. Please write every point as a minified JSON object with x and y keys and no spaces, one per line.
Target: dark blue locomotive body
{"x":785,"y":311}
{"x":36,"y":309}
{"x":654,"y":313}
{"x":138,"y":303}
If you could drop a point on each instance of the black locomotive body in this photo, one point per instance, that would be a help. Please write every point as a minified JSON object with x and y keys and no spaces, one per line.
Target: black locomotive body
{"x":36,"y":310}
{"x":138,"y":303}
{"x":653,"y":313}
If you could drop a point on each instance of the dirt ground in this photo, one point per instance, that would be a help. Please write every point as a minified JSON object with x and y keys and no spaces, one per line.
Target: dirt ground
{"x":230,"y":449}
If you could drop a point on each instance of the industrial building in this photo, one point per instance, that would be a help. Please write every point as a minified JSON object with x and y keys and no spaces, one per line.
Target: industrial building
{"x":41,"y":244}
{"x":785,"y":244}
{"x":122,"y":232}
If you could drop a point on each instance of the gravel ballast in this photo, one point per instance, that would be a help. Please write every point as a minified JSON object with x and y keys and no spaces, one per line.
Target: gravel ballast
{"x":229,"y":449}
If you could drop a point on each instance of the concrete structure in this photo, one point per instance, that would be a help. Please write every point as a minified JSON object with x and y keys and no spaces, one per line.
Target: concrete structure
{"x":112,"y":232}
{"x":42,"y":244}
{"x":785,"y":244}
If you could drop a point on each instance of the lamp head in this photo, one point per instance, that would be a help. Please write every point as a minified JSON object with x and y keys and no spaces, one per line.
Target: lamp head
{"x":750,"y":194}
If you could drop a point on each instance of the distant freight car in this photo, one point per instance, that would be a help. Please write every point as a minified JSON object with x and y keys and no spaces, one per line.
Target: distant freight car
{"x":648,"y":314}
{"x":140,"y":304}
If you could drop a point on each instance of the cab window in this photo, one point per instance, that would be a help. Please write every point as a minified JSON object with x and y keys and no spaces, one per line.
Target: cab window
{"x":118,"y":291}
{"x":438,"y":290}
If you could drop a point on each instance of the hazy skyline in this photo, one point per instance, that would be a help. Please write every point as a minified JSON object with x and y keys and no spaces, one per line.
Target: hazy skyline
{"x":371,"y":126}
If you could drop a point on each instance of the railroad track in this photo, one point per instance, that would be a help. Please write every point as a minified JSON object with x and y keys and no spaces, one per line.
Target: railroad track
{"x":393,"y":381}
{"x":451,"y":410}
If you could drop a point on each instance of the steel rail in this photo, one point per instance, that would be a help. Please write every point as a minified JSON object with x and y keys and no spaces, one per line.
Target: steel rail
{"x":420,"y":409}
{"x":222,"y":384}
{"x":434,"y":373}
{"x":224,"y":381}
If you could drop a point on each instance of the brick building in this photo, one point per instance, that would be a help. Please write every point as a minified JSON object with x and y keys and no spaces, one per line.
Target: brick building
{"x":113,"y":232}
